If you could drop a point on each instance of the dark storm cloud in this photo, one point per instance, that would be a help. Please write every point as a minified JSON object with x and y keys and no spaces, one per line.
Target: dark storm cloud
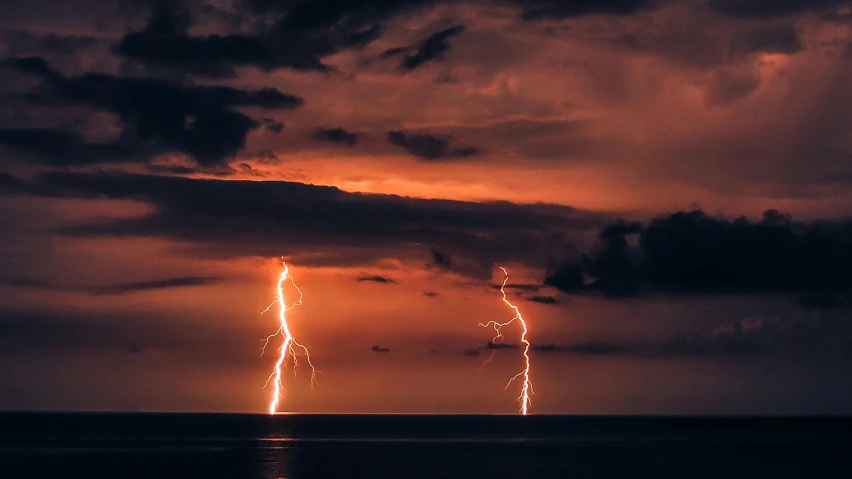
{"x":249,"y":218}
{"x":772,"y":8}
{"x":824,"y":300}
{"x":377,"y":349}
{"x":542,"y":299}
{"x":375,"y":279}
{"x":690,"y":253}
{"x":730,"y":86}
{"x":464,"y":263}
{"x":335,"y":135}
{"x":36,"y":332}
{"x":429,"y":147}
{"x":30,"y":283}
{"x":301,"y":34}
{"x":592,"y":348}
{"x":334,"y":18}
{"x":291,"y":34}
{"x":272,"y":126}
{"x":165,"y":41}
{"x":181,"y":282}
{"x":441,"y":260}
{"x":756,"y":335}
{"x":113,"y":289}
{"x":327,"y":13}
{"x":809,"y":338}
{"x":518,"y":286}
{"x":156,"y":115}
{"x":430,"y":49}
{"x":10,"y":183}
{"x":769,"y":39}
{"x":57,"y":147}
{"x":179,"y":170}
{"x":537,"y":9}
{"x":22,"y":42}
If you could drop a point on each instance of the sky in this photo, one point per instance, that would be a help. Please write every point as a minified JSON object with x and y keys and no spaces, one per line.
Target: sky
{"x":668,"y":183}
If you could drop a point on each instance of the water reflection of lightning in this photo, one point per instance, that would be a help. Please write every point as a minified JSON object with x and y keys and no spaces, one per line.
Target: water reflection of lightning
{"x":288,"y":348}
{"x":526,"y":389}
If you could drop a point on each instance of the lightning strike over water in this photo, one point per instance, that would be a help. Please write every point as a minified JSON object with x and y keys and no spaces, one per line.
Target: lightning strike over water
{"x":289,"y":347}
{"x":526,"y":389}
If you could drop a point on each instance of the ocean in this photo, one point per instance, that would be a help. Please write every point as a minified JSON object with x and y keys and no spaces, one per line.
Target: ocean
{"x":166,"y":446}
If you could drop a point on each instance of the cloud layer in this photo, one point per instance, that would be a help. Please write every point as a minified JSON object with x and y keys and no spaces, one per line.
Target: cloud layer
{"x":690,"y":252}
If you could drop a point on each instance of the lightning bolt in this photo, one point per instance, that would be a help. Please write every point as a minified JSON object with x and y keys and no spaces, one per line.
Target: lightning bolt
{"x":289,"y":347}
{"x":526,"y":389}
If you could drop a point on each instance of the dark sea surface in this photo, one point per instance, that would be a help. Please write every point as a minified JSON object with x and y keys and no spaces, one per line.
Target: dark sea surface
{"x":165,"y":446}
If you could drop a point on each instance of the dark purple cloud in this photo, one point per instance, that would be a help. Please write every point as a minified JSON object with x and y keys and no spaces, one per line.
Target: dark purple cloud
{"x":542,"y":299}
{"x":375,"y":279}
{"x":429,"y":147}
{"x":335,"y":135}
{"x":693,"y":253}
{"x":114,"y":289}
{"x":772,"y":8}
{"x":240,"y":218}
{"x":157,"y":116}
{"x":430,"y":49}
